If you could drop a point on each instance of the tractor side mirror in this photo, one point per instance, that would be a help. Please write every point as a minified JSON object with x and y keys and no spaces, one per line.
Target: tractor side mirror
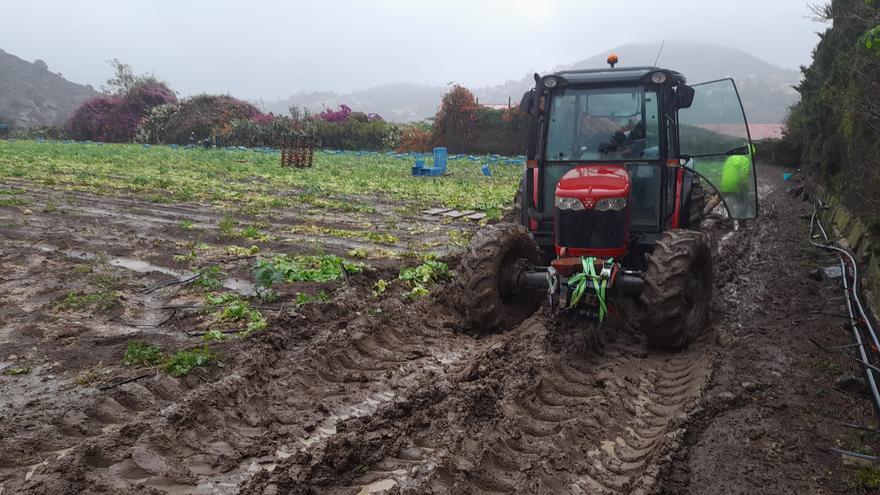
{"x":684,"y":96}
{"x":527,"y":102}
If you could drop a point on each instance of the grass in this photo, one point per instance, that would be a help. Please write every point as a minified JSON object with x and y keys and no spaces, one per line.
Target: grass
{"x":342,"y":183}
{"x":303,"y":299}
{"x":214,"y":335}
{"x":141,"y":354}
{"x":828,"y":366}
{"x":13,"y":202}
{"x":187,"y":225}
{"x":177,"y":364}
{"x":18,"y":370}
{"x":227,"y":225}
{"x":183,"y":362}
{"x":377,"y":237}
{"x":232,"y":308}
{"x":100,"y":300}
{"x":101,"y":297}
{"x":865,"y":478}
{"x":209,"y":277}
{"x":253,"y":233}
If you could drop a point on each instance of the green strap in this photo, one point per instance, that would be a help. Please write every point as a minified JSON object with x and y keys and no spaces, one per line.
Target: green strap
{"x":580,"y":280}
{"x":599,"y":285}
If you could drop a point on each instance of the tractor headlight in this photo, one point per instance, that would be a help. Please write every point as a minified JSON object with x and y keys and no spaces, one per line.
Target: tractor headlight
{"x":569,"y":203}
{"x":550,"y":82}
{"x":658,"y":78}
{"x":607,"y":204}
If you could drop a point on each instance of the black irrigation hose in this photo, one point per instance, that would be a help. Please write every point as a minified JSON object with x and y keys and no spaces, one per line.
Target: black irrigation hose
{"x":857,"y":455}
{"x":852,"y":295}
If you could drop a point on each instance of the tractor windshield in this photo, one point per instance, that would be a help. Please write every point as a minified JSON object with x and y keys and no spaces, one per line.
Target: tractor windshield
{"x":609,"y":124}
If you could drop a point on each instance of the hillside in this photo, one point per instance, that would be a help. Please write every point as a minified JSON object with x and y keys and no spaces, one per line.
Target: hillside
{"x":766,"y":89}
{"x":32,"y":95}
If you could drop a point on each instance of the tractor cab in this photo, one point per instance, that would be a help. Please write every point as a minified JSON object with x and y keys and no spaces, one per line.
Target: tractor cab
{"x":612,"y":198}
{"x":648,"y":122}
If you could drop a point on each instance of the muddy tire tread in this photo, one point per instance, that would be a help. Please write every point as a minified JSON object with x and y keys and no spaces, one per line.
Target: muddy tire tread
{"x":480,"y":297}
{"x":664,"y":323}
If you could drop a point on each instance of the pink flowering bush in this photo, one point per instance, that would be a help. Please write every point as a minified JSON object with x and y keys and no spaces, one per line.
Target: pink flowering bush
{"x":115,"y":119}
{"x":337,"y":116}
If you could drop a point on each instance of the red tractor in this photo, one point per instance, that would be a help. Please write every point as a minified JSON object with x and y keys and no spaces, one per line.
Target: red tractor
{"x":611,"y":201}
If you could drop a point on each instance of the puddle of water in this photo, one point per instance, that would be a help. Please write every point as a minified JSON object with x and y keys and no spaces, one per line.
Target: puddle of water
{"x":239,"y":285}
{"x":141,"y":266}
{"x":377,"y":486}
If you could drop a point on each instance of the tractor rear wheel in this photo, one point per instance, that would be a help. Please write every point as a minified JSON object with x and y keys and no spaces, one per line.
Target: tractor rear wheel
{"x":678,"y":289}
{"x":697,"y":204}
{"x":489,"y":298}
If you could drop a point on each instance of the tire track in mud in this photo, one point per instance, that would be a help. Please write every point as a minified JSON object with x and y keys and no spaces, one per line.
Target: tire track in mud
{"x":378,"y":400}
{"x":534,"y":412}
{"x":579,"y":424}
{"x":280,"y":403}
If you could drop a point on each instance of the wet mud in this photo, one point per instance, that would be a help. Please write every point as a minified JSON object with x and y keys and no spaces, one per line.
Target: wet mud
{"x":356,"y":395}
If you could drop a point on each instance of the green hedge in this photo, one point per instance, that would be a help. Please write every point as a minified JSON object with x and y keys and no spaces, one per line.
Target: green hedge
{"x":836,"y":123}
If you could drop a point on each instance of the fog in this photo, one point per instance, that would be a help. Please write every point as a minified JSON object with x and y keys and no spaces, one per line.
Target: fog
{"x":271,"y":49}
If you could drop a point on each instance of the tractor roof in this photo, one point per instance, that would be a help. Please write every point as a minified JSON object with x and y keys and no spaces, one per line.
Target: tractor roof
{"x":621,"y":75}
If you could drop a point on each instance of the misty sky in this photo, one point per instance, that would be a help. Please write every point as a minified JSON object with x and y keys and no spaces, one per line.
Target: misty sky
{"x":271,"y":48}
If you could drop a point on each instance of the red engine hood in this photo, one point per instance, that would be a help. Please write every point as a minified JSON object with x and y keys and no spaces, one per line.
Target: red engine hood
{"x":594,"y":182}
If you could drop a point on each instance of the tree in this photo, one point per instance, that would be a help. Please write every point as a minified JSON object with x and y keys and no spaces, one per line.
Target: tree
{"x":455,"y":123}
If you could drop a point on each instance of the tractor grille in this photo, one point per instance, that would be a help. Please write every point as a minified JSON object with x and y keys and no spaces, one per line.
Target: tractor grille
{"x":591,"y":229}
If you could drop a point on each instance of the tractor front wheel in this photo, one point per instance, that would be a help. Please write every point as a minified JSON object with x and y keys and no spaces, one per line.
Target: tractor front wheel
{"x":489,"y":298}
{"x":678,"y":289}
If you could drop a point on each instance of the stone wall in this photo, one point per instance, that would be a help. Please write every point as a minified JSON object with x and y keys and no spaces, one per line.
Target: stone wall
{"x":854,"y":234}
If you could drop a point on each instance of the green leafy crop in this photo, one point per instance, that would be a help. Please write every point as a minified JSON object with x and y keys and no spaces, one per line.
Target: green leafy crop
{"x":141,"y":354}
{"x":284,"y":268}
{"x":183,"y":362}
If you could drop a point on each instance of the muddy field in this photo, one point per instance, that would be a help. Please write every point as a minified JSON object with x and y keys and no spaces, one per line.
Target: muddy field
{"x":369,"y":393}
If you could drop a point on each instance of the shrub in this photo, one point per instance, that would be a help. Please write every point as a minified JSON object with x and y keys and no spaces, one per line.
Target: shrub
{"x":465,"y":127}
{"x":354,"y":134}
{"x":40,"y":131}
{"x":500,"y":131}
{"x":337,"y":116}
{"x":262,"y":130}
{"x":153,"y":127}
{"x":834,"y":126}
{"x":99,"y":119}
{"x":6,"y":127}
{"x":202,"y":117}
{"x":142,"y":97}
{"x":415,"y":137}
{"x":116,"y":118}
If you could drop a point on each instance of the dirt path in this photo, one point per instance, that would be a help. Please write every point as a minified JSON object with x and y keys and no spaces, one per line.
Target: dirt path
{"x":772,"y":412}
{"x":361,"y":395}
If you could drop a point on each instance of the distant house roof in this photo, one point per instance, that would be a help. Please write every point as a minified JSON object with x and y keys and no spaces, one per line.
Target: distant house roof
{"x":758,"y":132}
{"x":495,"y":106}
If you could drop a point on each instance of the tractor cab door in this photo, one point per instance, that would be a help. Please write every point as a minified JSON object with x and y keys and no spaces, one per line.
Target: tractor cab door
{"x":714,"y":134}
